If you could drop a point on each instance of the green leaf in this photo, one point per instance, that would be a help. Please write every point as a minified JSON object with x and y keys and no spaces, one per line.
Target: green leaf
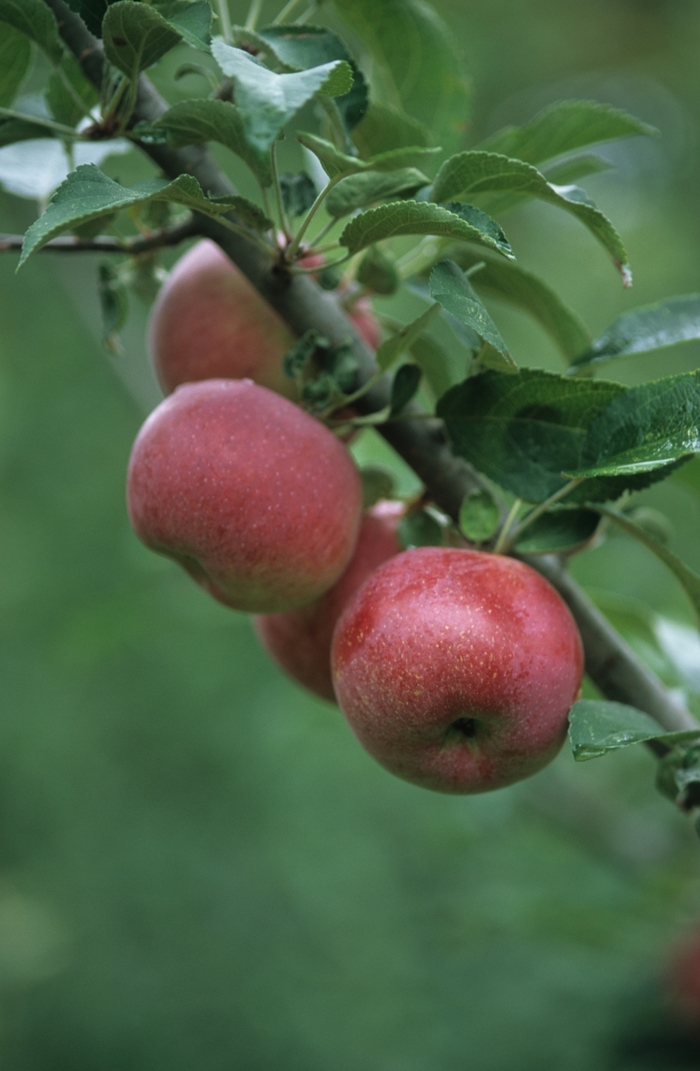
{"x":483,"y":222}
{"x":520,"y":430}
{"x":36,"y":21}
{"x":13,"y":130}
{"x":479,"y":516}
{"x":689,"y":579}
{"x":248,"y":212}
{"x":88,"y":193}
{"x":377,"y":272}
{"x":194,"y":121}
{"x":410,"y":217}
{"x":136,"y":36}
{"x":408,"y":156}
{"x":92,"y":13}
{"x":417,"y":65}
{"x":404,"y":387}
{"x":420,"y":530}
{"x":267,"y":101}
{"x":392,"y":348}
{"x":563,"y":127}
{"x":475,"y":172}
{"x":337,"y":163}
{"x":650,"y":427}
{"x":560,"y":530}
{"x":61,"y":103}
{"x":15,"y":57}
{"x":298,"y":193}
{"x":191,"y":20}
{"x":377,"y":483}
{"x":356,"y":191}
{"x":563,"y":172}
{"x":436,"y":363}
{"x":597,"y":727}
{"x":449,"y":285}
{"x":501,"y":279}
{"x":386,"y":129}
{"x":652,"y":327}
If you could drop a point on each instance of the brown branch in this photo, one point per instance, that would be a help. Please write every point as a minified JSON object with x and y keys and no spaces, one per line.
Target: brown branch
{"x":132,"y":247}
{"x":610,"y":662}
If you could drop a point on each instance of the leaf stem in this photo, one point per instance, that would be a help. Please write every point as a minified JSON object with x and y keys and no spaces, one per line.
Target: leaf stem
{"x":39,"y":120}
{"x":254,"y":14}
{"x":501,"y":541}
{"x":504,"y":545}
{"x":225,"y":20}
{"x":292,"y":249}
{"x":286,"y":12}
{"x":314,"y":271}
{"x":72,"y":91}
{"x":284,"y":222}
{"x":246,"y":234}
{"x":313,"y":242}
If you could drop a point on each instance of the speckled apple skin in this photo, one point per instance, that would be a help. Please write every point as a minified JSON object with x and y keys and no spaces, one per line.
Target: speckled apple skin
{"x":300,"y":640}
{"x":209,"y":322}
{"x":254,"y":497}
{"x":436,"y":635}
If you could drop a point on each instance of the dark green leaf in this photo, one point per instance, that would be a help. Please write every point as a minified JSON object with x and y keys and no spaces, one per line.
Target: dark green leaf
{"x":478,"y":516}
{"x":471,"y":173}
{"x":450,"y":286}
{"x":560,"y":530}
{"x":417,"y":62}
{"x":248,"y":212}
{"x":436,"y":363}
{"x":483,"y":222}
{"x":136,"y":36}
{"x":386,"y":129}
{"x":113,"y":303}
{"x":651,"y":427}
{"x":191,"y":20}
{"x":15,"y":56}
{"x":689,"y":580}
{"x":36,"y":21}
{"x":520,"y":430}
{"x":404,"y":387}
{"x":377,"y":483}
{"x":298,"y":193}
{"x":266,"y":100}
{"x":13,"y":130}
{"x":62,"y":105}
{"x":377,"y":272}
{"x":563,"y":127}
{"x":420,"y":530}
{"x":392,"y":348}
{"x":410,"y":217}
{"x":357,"y":191}
{"x":194,"y":121}
{"x":650,"y":328}
{"x":501,"y":279}
{"x":92,"y":13}
{"x":88,"y":193}
{"x":597,"y":727}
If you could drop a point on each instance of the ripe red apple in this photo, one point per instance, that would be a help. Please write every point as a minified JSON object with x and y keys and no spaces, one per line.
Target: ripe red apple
{"x":456,"y":669}
{"x":209,"y":322}
{"x":255,"y":498}
{"x":300,"y":640}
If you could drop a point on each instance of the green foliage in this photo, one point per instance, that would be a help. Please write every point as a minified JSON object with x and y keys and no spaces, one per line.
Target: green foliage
{"x":386,"y":129}
{"x":412,"y":217}
{"x":392,"y":348}
{"x":36,"y":21}
{"x":63,"y":104}
{"x":561,"y":530}
{"x":298,"y":193}
{"x":450,"y":286}
{"x":420,"y":529}
{"x":653,"y":327}
{"x":378,"y":272}
{"x":337,"y":163}
{"x":377,"y":483}
{"x":479,"y":516}
{"x":92,"y":12}
{"x":15,"y":57}
{"x":369,"y":187}
{"x":404,"y":387}
{"x":599,"y":727}
{"x":136,"y":36}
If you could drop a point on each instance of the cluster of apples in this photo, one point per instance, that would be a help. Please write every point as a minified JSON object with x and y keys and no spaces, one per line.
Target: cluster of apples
{"x":455,"y":668}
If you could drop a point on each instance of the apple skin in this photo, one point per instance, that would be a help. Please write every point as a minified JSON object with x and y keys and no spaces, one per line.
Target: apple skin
{"x":255,"y":498}
{"x":366,"y":323}
{"x":683,"y":982}
{"x":209,"y":322}
{"x":456,"y":669}
{"x":300,"y":640}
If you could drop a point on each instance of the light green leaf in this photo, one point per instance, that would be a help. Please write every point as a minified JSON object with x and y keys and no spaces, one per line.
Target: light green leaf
{"x":418,"y":67}
{"x":563,"y":127}
{"x":191,"y":20}
{"x":15,"y":56}
{"x":470,"y":173}
{"x":194,"y":121}
{"x":652,"y":327}
{"x":479,"y":516}
{"x":266,"y":100}
{"x":357,"y":191}
{"x":502,"y":279}
{"x":449,"y":285}
{"x":597,"y":727}
{"x":649,"y":428}
{"x":136,"y":36}
{"x":690,"y":581}
{"x":392,"y":348}
{"x":410,"y":217}
{"x":386,"y":129}
{"x":36,"y":21}
{"x":521,"y":430}
{"x":409,"y":156}
{"x":88,"y":193}
{"x":333,"y":160}
{"x":560,"y":530}
{"x":564,"y":172}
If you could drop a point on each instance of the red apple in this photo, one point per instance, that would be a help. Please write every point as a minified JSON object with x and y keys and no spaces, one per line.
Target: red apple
{"x":366,"y":323}
{"x":456,"y":669}
{"x":300,"y":640}
{"x":255,"y":498}
{"x":209,"y":322}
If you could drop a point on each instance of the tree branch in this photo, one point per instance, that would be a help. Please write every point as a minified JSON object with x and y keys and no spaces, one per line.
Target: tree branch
{"x":132,"y":247}
{"x":612,"y":665}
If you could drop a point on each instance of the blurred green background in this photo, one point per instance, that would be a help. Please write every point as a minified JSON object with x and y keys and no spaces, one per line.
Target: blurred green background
{"x":199,"y":867}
